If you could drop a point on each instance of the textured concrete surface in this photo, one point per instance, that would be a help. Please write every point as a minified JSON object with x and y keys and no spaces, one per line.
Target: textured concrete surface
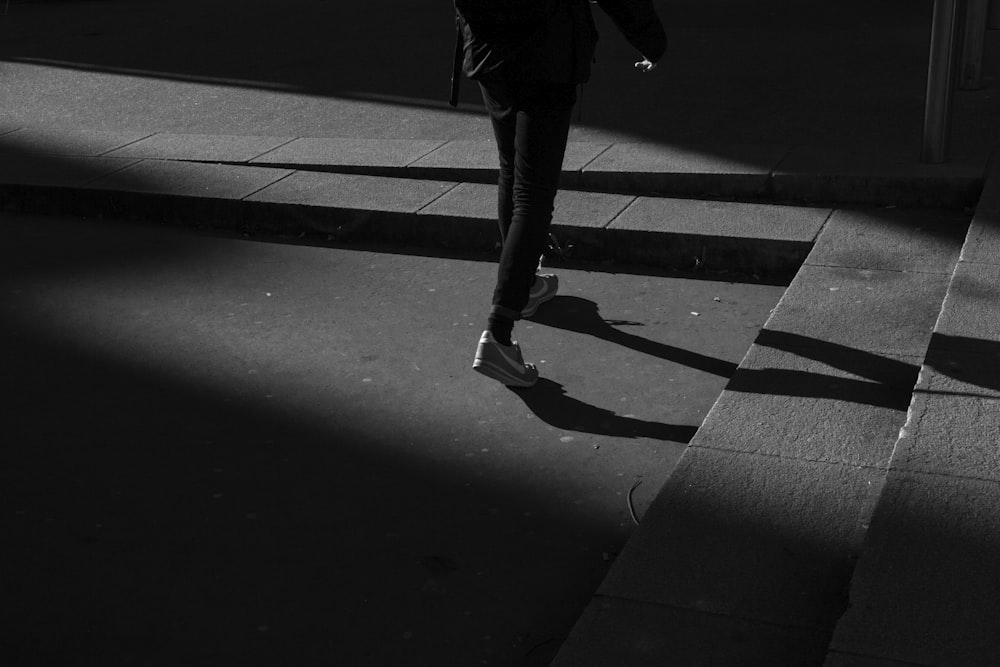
{"x":189,"y":179}
{"x":644,"y":635}
{"x":790,"y":462}
{"x":874,"y":311}
{"x":811,"y":173}
{"x":68,"y":141}
{"x":210,"y":147}
{"x":69,"y":172}
{"x":234,"y":452}
{"x":349,"y":151}
{"x":942,"y":495}
{"x":925,"y":590}
{"x":350,"y":191}
{"x":891,"y":240}
{"x":839,"y":84}
{"x":735,"y":171}
{"x":791,"y":528}
{"x":777,"y":400}
{"x":716,"y":218}
{"x":572,"y":208}
{"x":972,"y":310}
{"x":953,"y":435}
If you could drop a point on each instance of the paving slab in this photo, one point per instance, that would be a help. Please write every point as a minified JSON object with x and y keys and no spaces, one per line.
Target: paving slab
{"x":952,"y":435}
{"x":825,"y":173}
{"x":471,"y":157}
{"x":207,"y":147}
{"x":64,"y":172}
{"x":188,"y":179}
{"x":926,"y":589}
{"x":350,"y":152}
{"x":730,"y":219}
{"x":961,"y":366}
{"x":882,"y":312}
{"x":677,"y":169}
{"x":757,"y":537}
{"x":615,"y":631}
{"x":63,"y":141}
{"x":752,"y":239}
{"x":814,"y":404}
{"x":353,"y":191}
{"x":594,"y":210}
{"x":971,"y":313}
{"x":891,"y":239}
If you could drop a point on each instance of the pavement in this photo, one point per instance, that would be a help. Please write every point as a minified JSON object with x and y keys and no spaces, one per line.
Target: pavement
{"x":838,"y":504}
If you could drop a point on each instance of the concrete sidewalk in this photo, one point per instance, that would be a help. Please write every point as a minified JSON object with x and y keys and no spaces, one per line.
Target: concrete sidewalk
{"x":747,"y":554}
{"x":838,"y":504}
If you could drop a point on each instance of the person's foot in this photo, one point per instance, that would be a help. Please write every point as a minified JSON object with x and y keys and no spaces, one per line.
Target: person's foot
{"x":545,"y":287}
{"x":503,"y":363}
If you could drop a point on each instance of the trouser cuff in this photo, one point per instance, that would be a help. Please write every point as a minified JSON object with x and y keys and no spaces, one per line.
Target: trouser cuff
{"x":503,"y":311}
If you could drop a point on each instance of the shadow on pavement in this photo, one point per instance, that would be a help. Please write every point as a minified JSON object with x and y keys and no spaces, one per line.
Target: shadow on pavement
{"x":889,"y":381}
{"x":973,"y":361}
{"x":157,"y":513}
{"x":583,"y":316}
{"x":779,"y":72}
{"x":549,"y":402}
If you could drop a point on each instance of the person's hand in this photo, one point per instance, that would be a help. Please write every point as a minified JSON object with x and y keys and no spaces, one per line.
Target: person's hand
{"x":645,"y":65}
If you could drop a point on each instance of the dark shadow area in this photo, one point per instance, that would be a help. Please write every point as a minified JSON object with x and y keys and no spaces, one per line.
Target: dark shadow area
{"x":583,"y":316}
{"x":875,"y":367}
{"x":970,"y":360}
{"x":549,"y":402}
{"x":777,"y":72}
{"x":155,"y":516}
{"x":890,"y":382}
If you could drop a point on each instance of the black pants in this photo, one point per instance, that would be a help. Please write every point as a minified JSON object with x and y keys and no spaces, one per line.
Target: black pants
{"x":531,"y":125}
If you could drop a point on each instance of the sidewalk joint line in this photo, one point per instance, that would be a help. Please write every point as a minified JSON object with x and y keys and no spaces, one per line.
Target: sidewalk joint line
{"x":607,"y":225}
{"x":418,"y":159}
{"x":128,"y":164}
{"x":126,"y":144}
{"x":439,"y":196}
{"x":271,"y":150}
{"x":433,"y":150}
{"x":593,"y":159}
{"x":264,"y":187}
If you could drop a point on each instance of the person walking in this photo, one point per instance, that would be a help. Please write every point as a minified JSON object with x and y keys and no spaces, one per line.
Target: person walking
{"x":528,"y":56}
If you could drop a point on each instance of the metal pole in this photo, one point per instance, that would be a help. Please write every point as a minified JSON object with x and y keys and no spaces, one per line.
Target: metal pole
{"x":940,"y":82}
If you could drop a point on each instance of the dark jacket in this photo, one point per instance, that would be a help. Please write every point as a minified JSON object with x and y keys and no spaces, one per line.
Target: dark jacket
{"x":547,"y":41}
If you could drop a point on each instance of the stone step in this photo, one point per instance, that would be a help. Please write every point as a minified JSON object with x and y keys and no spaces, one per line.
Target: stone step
{"x":765,"y":240}
{"x":775,"y":173}
{"x":927,"y":586}
{"x":747,"y":553}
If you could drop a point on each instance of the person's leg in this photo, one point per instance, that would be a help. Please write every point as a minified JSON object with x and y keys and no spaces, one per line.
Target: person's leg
{"x":503,"y":116}
{"x":542,"y":128}
{"x":529,"y":175}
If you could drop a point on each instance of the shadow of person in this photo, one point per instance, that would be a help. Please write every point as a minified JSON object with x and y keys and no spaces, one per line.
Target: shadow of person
{"x":549,"y":402}
{"x":581,"y":315}
{"x":974,"y":361}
